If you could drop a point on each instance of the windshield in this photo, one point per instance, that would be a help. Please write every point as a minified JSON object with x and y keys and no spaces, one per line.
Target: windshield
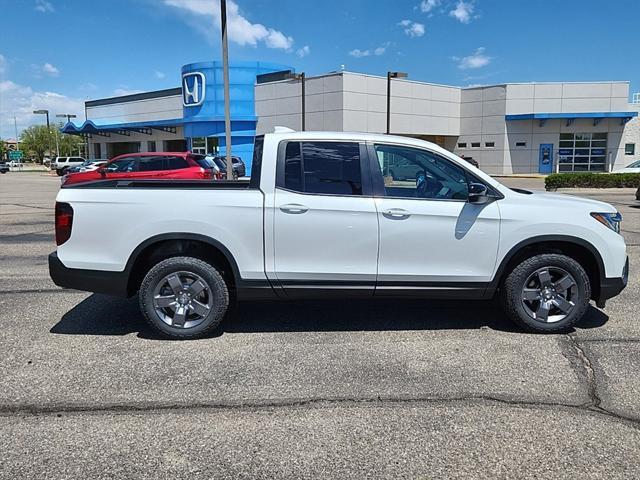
{"x":634,"y":165}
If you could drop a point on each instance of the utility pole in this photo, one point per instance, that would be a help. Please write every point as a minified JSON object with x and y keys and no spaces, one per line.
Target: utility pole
{"x":225,"y":75}
{"x":46,"y":112}
{"x":15,"y":126}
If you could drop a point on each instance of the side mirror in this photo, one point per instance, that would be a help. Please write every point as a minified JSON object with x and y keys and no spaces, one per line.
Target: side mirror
{"x":478,"y":193}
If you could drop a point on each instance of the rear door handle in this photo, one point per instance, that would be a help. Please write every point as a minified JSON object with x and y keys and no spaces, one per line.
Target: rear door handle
{"x":293,"y":208}
{"x":396,"y":214}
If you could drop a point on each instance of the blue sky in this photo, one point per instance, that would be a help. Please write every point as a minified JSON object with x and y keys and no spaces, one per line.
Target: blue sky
{"x":56,"y":53}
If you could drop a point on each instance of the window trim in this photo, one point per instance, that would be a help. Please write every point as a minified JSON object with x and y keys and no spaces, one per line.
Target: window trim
{"x":378,"y":180}
{"x":365,"y":171}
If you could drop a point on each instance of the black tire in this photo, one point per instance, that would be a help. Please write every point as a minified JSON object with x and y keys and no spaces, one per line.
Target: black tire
{"x":60,"y":172}
{"x":216,"y":286}
{"x":514,"y":285}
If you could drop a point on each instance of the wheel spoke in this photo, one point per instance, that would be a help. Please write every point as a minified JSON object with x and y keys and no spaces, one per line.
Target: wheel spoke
{"x":564,"y":284}
{"x":179,"y":317}
{"x":175,"y":284}
{"x":530,"y":294}
{"x":542,"y":313}
{"x":163,"y":301}
{"x":544,"y":277}
{"x":563,"y":304}
{"x":199,"y":308}
{"x":196,"y":287}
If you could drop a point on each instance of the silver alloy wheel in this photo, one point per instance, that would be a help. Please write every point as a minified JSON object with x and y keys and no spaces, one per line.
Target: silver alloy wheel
{"x":549,"y":294}
{"x":182,"y":299}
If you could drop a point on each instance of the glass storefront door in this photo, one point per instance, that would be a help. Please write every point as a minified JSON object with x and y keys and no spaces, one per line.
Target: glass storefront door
{"x":204,"y":145}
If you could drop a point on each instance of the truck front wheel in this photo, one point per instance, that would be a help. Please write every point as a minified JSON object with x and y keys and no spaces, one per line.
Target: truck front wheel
{"x":184,"y":298}
{"x":546,"y":293}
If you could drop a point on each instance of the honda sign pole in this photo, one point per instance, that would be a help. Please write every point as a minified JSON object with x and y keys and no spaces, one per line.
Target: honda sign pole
{"x":225,"y":74}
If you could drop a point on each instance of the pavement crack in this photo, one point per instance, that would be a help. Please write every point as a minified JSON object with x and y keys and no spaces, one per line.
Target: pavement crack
{"x":580,"y":359}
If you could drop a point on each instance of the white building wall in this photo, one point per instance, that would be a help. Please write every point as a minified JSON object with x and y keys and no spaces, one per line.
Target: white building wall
{"x":631,"y":135}
{"x":164,"y":108}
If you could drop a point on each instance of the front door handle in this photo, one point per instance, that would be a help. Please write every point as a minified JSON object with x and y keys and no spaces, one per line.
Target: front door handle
{"x":396,"y":214}
{"x":294,"y":208}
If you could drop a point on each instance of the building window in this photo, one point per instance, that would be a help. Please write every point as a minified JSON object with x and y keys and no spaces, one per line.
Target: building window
{"x":489,"y":144}
{"x":521,"y":144}
{"x":199,"y":145}
{"x":151,"y":146}
{"x":475,"y":144}
{"x":582,"y":152}
{"x":462,"y":145}
{"x":629,"y":148}
{"x":97,"y":150}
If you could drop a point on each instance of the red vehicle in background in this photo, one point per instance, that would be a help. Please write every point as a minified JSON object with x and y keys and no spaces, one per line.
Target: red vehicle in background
{"x":150,"y":165}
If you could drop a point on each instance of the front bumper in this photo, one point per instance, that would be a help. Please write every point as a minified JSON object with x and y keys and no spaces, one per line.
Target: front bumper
{"x":610,"y":287}
{"x":97,"y":281}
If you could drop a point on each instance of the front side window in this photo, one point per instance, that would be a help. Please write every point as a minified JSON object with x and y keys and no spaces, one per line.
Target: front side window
{"x":122,"y":165}
{"x":415,"y":173}
{"x":323,"y":167}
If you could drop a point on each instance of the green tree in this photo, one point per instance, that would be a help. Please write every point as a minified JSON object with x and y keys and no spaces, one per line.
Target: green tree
{"x":35,"y":141}
{"x":3,"y":149}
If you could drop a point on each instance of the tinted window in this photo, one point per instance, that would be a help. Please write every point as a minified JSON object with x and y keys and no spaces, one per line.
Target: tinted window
{"x":323,"y":167}
{"x":414,"y":173}
{"x":204,"y":162}
{"x":123,"y":165}
{"x":176,"y":163}
{"x":256,"y":162}
{"x":150,"y":164}
{"x":293,"y":167}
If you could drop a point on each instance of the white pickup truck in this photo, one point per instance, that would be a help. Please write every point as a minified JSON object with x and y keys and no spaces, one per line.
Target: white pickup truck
{"x":323,"y":215}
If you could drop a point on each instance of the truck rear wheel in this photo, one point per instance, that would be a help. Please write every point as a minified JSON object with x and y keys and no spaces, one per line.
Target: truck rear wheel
{"x":546,"y":293}
{"x":184,"y":298}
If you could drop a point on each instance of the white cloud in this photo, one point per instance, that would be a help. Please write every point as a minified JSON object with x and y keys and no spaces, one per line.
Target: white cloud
{"x":44,"y":6}
{"x":413,"y":29}
{"x":463,"y":11}
{"x":20,"y":101}
{"x":50,"y":70}
{"x":203,"y":13}
{"x":158,"y":74}
{"x":124,"y":90}
{"x":3,"y":64}
{"x":477,"y":60}
{"x":356,"y":52}
{"x":303,"y":52}
{"x":380,"y":51}
{"x":427,"y":5}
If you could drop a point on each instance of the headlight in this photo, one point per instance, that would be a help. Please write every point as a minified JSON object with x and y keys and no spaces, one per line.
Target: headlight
{"x":610,"y":220}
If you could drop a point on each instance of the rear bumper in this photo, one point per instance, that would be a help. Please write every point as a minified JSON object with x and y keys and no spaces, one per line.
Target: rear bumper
{"x":610,"y":287}
{"x":97,"y":281}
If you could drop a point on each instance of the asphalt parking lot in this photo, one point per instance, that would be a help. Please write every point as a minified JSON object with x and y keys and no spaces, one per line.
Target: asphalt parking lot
{"x":351,"y":389}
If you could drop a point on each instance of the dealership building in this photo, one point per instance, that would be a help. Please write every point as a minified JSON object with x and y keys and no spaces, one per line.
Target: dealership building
{"x":508,"y":128}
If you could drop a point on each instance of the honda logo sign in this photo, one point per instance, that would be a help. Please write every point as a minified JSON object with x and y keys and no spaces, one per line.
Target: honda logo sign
{"x":193,"y":87}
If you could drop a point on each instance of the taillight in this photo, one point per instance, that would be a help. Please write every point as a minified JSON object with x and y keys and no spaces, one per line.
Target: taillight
{"x":64,"y":222}
{"x":206,"y":173}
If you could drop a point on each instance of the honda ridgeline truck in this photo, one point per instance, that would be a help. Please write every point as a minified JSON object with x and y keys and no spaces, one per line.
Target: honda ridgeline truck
{"x":323,"y":217}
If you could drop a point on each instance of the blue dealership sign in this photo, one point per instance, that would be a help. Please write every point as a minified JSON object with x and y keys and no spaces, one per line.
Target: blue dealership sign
{"x":193,"y":89}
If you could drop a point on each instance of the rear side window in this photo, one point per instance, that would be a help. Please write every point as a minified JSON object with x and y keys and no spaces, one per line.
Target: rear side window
{"x":176,"y":163}
{"x":323,"y":167}
{"x":256,"y":162}
{"x":150,"y":164}
{"x":204,"y":162}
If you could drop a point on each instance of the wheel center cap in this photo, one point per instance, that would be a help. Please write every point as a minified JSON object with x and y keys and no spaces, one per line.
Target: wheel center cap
{"x":183,"y":298}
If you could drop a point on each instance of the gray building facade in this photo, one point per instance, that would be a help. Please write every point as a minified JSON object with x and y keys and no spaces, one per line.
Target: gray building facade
{"x":507,"y":128}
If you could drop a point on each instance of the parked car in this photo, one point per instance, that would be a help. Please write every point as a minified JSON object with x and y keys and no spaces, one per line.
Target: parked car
{"x":638,"y":194}
{"x":471,"y":160}
{"x":239,"y":167}
{"x":320,"y":217}
{"x":87,"y":166}
{"x":4,"y":167}
{"x":62,"y":164}
{"x":220,"y":167}
{"x":155,"y":165}
{"x":631,"y":168}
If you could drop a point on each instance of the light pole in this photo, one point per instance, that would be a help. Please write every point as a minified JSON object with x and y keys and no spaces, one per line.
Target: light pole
{"x":225,"y":75}
{"x":391,"y":75}
{"x":45,"y":112}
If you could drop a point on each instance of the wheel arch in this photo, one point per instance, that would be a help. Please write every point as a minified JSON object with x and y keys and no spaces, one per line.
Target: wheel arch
{"x":166,"y":245}
{"x":577,"y":248}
